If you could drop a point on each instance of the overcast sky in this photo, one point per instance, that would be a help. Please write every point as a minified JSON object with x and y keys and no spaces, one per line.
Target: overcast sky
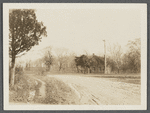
{"x":84,"y":29}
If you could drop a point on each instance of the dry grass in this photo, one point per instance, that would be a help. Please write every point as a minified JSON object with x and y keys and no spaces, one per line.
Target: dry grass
{"x":57,"y":92}
{"x":20,"y":92}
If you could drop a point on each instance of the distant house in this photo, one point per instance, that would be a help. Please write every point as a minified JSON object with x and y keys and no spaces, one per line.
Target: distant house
{"x":96,"y":64}
{"x":92,"y":64}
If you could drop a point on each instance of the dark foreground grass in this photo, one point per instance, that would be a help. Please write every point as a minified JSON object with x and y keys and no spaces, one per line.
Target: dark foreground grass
{"x":26,"y":85}
{"x":25,"y":89}
{"x":57,"y":92}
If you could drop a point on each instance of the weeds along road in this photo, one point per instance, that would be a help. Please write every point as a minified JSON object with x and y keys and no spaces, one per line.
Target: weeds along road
{"x":102,"y":91}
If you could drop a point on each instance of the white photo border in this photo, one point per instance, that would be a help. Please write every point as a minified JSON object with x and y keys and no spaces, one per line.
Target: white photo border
{"x":143,"y":9}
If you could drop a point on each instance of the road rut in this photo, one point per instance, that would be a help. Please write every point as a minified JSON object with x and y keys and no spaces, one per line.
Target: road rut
{"x":101,"y":91}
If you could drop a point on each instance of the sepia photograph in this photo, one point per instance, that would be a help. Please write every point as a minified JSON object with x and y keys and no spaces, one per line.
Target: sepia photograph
{"x":76,"y":56}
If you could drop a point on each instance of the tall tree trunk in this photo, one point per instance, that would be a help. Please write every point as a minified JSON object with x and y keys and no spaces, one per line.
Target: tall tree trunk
{"x":13,"y":55}
{"x":12,"y":75}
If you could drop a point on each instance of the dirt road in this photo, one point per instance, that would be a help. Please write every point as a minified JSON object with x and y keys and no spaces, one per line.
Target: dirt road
{"x":102,"y":91}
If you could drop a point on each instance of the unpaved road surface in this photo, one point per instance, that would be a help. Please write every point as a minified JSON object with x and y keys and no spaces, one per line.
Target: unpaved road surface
{"x":102,"y":91}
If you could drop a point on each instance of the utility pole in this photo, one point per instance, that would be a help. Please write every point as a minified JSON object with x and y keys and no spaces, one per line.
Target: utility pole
{"x":105,"y":55}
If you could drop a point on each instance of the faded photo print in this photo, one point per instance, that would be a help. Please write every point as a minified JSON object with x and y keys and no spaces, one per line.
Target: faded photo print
{"x":75,"y":55}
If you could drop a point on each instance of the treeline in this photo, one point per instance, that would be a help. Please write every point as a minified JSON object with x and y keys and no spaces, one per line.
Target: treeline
{"x":69,"y":63}
{"x":128,"y":62}
{"x":116,"y":60}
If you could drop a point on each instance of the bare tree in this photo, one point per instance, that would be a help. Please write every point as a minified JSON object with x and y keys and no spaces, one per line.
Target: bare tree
{"x":48,"y":58}
{"x":28,"y":64}
{"x":71,"y":62}
{"x":61,"y":57}
{"x":132,"y":59}
{"x":116,"y":55}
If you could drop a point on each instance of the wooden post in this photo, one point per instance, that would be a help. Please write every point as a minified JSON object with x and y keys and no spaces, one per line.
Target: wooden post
{"x":105,"y":56}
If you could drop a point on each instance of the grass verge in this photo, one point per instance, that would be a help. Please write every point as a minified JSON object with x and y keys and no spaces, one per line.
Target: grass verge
{"x":58,"y":92}
{"x":25,"y":89}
